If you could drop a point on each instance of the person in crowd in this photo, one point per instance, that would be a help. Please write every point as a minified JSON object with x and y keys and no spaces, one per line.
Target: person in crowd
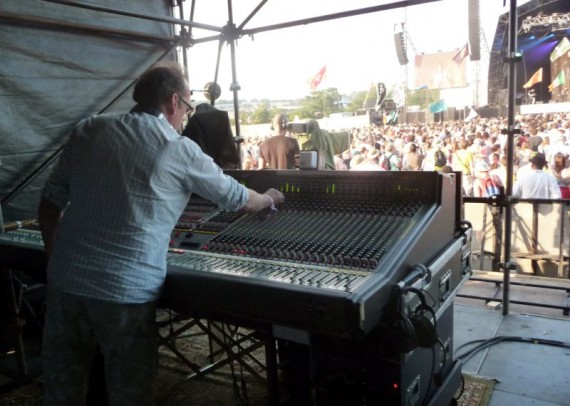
{"x":366,"y":162}
{"x":279,"y":151}
{"x":390,"y":160}
{"x":413,"y":159}
{"x":106,"y":214}
{"x":559,"y":170}
{"x":462,"y":160}
{"x":501,"y":171}
{"x":485,"y":183}
{"x":537,"y":184}
{"x":339,"y":163}
{"x":525,"y":152}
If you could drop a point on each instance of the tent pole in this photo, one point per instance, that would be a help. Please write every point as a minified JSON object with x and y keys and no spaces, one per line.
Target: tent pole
{"x":513,"y":59}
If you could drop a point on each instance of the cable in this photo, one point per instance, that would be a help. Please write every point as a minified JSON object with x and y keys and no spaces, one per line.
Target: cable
{"x":485,"y":343}
{"x":461,"y":390}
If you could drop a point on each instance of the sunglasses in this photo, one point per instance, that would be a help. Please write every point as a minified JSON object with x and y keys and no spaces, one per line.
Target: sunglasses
{"x":189,"y":107}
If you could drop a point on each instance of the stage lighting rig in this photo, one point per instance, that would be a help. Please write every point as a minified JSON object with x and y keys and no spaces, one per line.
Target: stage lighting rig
{"x":554,"y":22}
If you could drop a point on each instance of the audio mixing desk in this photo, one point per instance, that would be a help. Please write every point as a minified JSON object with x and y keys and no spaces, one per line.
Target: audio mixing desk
{"x":322,"y":268}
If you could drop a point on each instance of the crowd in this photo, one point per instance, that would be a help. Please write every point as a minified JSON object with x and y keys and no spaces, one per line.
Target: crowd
{"x":477,"y":148}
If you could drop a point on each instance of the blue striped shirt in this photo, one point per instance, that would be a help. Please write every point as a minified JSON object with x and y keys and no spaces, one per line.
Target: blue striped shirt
{"x":124,"y":180}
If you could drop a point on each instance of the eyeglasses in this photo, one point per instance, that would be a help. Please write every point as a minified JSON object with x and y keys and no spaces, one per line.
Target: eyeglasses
{"x":189,"y":107}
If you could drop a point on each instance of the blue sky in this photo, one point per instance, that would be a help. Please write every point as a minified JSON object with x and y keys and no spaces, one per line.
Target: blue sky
{"x":357,"y":50}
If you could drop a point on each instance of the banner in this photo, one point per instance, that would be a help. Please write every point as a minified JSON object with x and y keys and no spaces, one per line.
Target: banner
{"x":536,"y":78}
{"x":562,"y":47}
{"x":462,"y":54}
{"x":316,"y":80}
{"x":438,"y":71}
{"x":560,"y":80}
{"x":437,"y":107}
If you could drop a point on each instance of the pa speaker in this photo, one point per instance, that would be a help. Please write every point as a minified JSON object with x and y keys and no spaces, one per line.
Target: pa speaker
{"x":401,"y":51}
{"x":474,"y":30}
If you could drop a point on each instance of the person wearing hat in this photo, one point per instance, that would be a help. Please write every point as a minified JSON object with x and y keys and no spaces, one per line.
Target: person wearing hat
{"x":366,"y":163}
{"x":485,"y":184}
{"x":537,"y":184}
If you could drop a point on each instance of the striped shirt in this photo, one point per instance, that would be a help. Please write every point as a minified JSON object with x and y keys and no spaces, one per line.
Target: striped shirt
{"x":124,"y":180}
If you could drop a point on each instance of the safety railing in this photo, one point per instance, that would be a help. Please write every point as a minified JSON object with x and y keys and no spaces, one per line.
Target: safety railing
{"x":540,"y":244}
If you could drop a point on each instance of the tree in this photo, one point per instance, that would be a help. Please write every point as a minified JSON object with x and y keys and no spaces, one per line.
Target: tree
{"x":422,"y":97}
{"x":320,"y":104}
{"x":357,"y":101}
{"x":262,"y":113}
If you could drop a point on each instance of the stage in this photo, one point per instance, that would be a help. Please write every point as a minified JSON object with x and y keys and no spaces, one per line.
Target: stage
{"x":545,"y":108}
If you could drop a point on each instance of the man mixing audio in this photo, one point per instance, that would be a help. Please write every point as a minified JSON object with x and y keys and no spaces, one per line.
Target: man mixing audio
{"x":106,"y":214}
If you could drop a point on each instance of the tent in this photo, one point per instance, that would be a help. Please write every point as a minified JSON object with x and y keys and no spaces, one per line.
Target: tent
{"x":65,"y":60}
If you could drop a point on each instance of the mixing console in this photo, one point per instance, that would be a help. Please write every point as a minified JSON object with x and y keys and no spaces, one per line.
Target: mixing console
{"x":324,"y":262}
{"x":28,"y":237}
{"x":322,"y":270}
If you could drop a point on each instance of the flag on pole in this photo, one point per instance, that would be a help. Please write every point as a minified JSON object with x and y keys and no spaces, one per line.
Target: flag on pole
{"x":437,"y":107}
{"x":562,"y":48}
{"x":536,"y":78}
{"x":316,"y":80}
{"x":560,"y":80}
{"x":472,"y":114}
{"x":461,"y":54}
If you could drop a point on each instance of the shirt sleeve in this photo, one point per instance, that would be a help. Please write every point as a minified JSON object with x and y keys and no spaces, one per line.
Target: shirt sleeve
{"x":555,"y":192}
{"x":208,"y":180}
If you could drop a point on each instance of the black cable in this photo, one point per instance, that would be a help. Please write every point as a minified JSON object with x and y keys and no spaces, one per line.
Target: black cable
{"x":431,"y":377}
{"x":495,"y":340}
{"x":462,"y":389}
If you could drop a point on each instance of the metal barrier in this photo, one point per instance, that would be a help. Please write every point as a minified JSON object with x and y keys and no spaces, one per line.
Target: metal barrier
{"x":540,"y":244}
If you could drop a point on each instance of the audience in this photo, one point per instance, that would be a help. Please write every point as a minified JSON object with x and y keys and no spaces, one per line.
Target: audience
{"x":413,"y":146}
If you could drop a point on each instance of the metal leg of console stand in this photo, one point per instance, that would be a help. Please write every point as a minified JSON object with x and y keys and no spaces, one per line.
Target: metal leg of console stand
{"x":231,"y":347}
{"x":271,"y":371}
{"x":15,"y":323}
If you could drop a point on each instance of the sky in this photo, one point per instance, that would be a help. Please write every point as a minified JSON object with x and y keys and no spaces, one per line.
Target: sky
{"x":357,"y":50}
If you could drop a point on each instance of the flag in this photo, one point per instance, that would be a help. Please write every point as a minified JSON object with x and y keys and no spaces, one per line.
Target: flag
{"x":437,"y":107}
{"x":472,"y":114}
{"x":536,"y":78}
{"x":560,"y":80}
{"x":316,"y":80}
{"x":461,"y":54}
{"x":562,"y":47}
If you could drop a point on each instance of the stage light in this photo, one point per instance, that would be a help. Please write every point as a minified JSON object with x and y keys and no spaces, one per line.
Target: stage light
{"x":554,"y":22}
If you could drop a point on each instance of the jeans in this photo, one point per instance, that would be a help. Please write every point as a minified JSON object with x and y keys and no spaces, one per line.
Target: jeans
{"x":126,"y":335}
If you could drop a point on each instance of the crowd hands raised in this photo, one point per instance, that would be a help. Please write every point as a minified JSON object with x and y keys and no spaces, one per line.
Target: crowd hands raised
{"x":476,"y":148}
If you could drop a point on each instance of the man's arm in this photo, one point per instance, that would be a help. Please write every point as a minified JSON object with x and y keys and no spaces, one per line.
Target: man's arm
{"x":48,"y":216}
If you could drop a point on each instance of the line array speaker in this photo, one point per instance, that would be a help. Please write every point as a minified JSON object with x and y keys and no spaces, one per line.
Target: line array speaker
{"x":474,"y":30}
{"x":401,"y":51}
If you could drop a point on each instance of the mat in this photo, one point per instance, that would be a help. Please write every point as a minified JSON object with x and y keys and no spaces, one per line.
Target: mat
{"x":476,"y":390}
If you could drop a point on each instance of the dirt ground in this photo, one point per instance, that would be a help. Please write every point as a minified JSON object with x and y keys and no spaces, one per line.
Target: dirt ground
{"x":177,"y":383}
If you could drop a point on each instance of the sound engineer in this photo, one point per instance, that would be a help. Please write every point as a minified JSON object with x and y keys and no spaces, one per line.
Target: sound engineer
{"x":106,"y":215}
